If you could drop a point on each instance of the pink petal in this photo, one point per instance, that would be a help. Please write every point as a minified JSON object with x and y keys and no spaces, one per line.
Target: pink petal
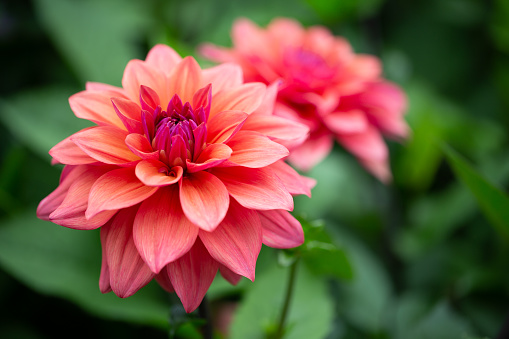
{"x":140,"y":146}
{"x":248,"y":38}
{"x":71,"y":212}
{"x":311,"y":152}
{"x":115,"y":190}
{"x":163,"y":58}
{"x":95,"y":106}
{"x":55,"y":198}
{"x":104,"y":277}
{"x":127,"y":271}
{"x":204,"y":199}
{"x":379,"y":168}
{"x":164,"y":280}
{"x":293,"y":181}
{"x":256,"y":188}
{"x":211,"y":156}
{"x":192,"y":275}
{"x":130,"y":114}
{"x":139,"y":73}
{"x":203,"y":99}
{"x":185,"y":79}
{"x":149,"y":99}
{"x":162,"y":233}
{"x":229,"y":275}
{"x":105,"y":144}
{"x":353,"y":121}
{"x":115,"y":91}
{"x":252,"y":149}
{"x":367,"y":145}
{"x":67,"y":152}
{"x":224,"y":125}
{"x":223,"y":77}
{"x":156,"y":173}
{"x":245,"y":98}
{"x":269,"y":99}
{"x":281,"y":229}
{"x":237,"y":241}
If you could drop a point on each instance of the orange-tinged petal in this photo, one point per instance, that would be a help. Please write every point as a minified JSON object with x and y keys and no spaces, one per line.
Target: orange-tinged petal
{"x":245,"y":98}
{"x":67,"y":152}
{"x":269,"y":99}
{"x":156,"y":173}
{"x":185,"y":79}
{"x":204,"y":199}
{"x":222,"y":126}
{"x":163,"y":58}
{"x":293,"y":181}
{"x":139,"y":145}
{"x":125,"y":268}
{"x":311,"y":152}
{"x":115,"y":91}
{"x":257,"y":188}
{"x":281,"y":229}
{"x":139,"y":73}
{"x":237,"y":241}
{"x":130,"y":114}
{"x":105,"y":144}
{"x":71,"y":212}
{"x":117,"y":189}
{"x":192,"y":275}
{"x":254,"y":150}
{"x":95,"y":106}
{"x":275,"y":127}
{"x":223,"y":77}
{"x":211,"y":156}
{"x":161,"y":231}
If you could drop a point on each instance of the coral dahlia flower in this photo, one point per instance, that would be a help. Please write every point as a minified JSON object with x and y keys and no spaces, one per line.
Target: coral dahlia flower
{"x":183,"y":173}
{"x":338,"y":94}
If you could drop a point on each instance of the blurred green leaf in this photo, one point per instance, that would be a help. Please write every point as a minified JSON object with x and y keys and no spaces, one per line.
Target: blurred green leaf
{"x":62,"y":262}
{"x":41,"y":118}
{"x":338,"y":10}
{"x":96,"y":37}
{"x":493,"y":202}
{"x":310,"y":313}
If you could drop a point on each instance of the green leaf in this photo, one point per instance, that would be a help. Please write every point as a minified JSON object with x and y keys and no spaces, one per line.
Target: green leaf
{"x":493,"y":202}
{"x":41,"y":118}
{"x":310,"y":314}
{"x":57,"y":261}
{"x":96,"y":37}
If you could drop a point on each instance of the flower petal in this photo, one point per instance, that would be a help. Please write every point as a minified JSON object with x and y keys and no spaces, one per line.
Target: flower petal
{"x":140,"y":146}
{"x":67,"y":152}
{"x":224,"y":125}
{"x":311,"y":152}
{"x":164,"y":280}
{"x":211,"y":156}
{"x":95,"y":106}
{"x":71,"y":212}
{"x":163,"y":58}
{"x":105,"y":144}
{"x":281,"y":229}
{"x":293,"y":181}
{"x":115,"y":190}
{"x":256,"y":188}
{"x":161,"y":231}
{"x":115,"y":91}
{"x":192,"y":275}
{"x":139,"y":73}
{"x":204,"y":199}
{"x":127,"y":271}
{"x":353,"y":121}
{"x":237,"y":241}
{"x":229,"y":275}
{"x":156,"y":173}
{"x":130,"y":114}
{"x":245,"y":98}
{"x":276,"y":127}
{"x":185,"y":79}
{"x":254,"y":150}
{"x":222,"y":77}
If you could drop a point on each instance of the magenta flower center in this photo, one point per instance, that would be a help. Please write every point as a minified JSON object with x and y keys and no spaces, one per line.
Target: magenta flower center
{"x":179,"y":132}
{"x":307,"y":68}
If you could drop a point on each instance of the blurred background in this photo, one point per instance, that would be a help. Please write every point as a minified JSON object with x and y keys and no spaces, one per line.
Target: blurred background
{"x":425,"y":257}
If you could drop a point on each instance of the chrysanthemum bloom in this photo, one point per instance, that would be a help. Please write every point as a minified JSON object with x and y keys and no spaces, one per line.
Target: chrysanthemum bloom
{"x":338,"y":94}
{"x":183,"y":173}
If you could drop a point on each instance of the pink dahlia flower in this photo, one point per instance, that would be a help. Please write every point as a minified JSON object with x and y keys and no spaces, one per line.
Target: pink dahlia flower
{"x":183,"y":173}
{"x":338,"y":94}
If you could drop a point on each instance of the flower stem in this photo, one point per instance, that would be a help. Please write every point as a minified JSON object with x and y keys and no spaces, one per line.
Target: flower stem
{"x":288,"y":297}
{"x":204,"y":313}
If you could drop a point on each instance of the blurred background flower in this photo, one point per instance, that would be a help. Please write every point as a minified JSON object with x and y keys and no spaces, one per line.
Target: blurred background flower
{"x":419,"y":257}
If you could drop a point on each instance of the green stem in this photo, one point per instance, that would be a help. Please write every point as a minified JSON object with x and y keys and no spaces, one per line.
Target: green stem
{"x":288,"y":298}
{"x":204,"y":312}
